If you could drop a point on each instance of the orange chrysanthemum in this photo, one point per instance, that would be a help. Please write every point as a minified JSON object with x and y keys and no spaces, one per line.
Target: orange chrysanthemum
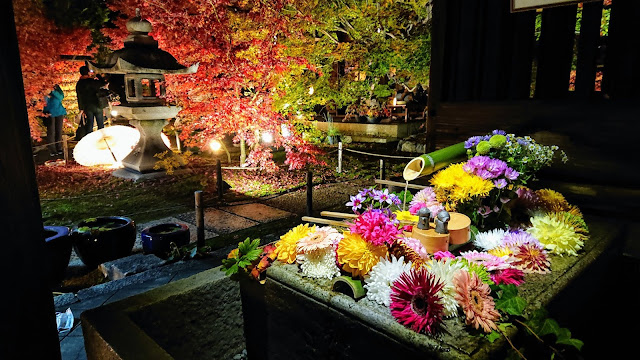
{"x":474,"y":298}
{"x":357,"y":256}
{"x":286,"y":248}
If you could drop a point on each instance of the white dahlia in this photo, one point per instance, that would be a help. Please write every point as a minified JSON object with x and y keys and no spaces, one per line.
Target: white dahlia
{"x":379,"y":280}
{"x":488,"y":240}
{"x":444,"y":272}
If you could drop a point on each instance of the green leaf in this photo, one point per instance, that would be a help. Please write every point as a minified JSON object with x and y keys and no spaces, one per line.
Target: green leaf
{"x":253,"y":254}
{"x":508,"y":291}
{"x":244,"y":263}
{"x":549,"y":326}
{"x":512,"y":306}
{"x":572,"y":342}
{"x":493,"y":336}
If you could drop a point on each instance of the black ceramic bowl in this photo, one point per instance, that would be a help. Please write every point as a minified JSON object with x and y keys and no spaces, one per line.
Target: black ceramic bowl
{"x":58,"y":244}
{"x":157,"y":239}
{"x":101,"y":239}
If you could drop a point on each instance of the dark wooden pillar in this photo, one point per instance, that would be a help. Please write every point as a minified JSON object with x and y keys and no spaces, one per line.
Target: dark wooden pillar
{"x":28,"y":328}
{"x":588,"y":48}
{"x":622,"y":65}
{"x":556,"y":52}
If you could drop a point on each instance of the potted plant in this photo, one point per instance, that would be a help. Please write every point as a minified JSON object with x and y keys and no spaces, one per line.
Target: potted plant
{"x":157,"y":239}
{"x":369,"y":109}
{"x":101,"y":239}
{"x":58,"y":245}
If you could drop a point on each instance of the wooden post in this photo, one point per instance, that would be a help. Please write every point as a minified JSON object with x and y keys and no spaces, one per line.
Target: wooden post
{"x":65,"y":149}
{"x":382,"y":174}
{"x":219,"y":183}
{"x":199,"y":218}
{"x":178,"y":145}
{"x":309,"y":193}
{"x":339,"y":157}
{"x":243,"y":152}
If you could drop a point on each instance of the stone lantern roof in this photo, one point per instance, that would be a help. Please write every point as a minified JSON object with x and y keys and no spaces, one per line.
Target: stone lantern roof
{"x":141,"y":54}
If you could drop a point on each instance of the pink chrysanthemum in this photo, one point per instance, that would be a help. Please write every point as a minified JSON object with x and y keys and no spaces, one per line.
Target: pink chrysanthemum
{"x":415,"y":245}
{"x":515,"y":239}
{"x":376,"y":228}
{"x":491,"y":262}
{"x":415,"y":302}
{"x":508,"y":276}
{"x":443,"y":255}
{"x":531,"y":258}
{"x":322,"y":238}
{"x":474,"y":298}
{"x":425,"y":198}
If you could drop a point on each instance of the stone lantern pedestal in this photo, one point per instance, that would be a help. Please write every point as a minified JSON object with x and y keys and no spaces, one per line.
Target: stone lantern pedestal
{"x":149,"y":121}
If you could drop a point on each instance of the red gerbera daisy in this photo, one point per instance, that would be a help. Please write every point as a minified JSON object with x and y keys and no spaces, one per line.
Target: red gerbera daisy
{"x":415,"y":302}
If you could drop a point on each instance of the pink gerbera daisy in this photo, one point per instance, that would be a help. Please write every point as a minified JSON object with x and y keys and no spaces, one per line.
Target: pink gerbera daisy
{"x":531,"y":258}
{"x":474,"y":298}
{"x":322,"y":238}
{"x":415,"y":302}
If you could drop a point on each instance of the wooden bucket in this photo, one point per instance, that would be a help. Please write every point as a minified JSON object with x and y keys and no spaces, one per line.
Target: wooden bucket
{"x":431,"y":240}
{"x":459,"y":228}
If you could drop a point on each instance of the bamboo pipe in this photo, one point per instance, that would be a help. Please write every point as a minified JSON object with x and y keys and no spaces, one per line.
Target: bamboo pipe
{"x":324,"y":221}
{"x":354,"y":216}
{"x":429,"y":163}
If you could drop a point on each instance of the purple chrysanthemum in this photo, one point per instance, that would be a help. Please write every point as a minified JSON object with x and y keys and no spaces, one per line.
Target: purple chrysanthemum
{"x":500,"y":183}
{"x":511,"y":174}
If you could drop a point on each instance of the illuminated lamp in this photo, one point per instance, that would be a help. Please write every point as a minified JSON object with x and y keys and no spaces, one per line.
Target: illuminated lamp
{"x":107,"y":146}
{"x":267,"y":137}
{"x":215,"y":145}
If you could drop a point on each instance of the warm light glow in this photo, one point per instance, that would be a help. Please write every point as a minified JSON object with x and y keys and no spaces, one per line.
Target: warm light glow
{"x":165,"y":140}
{"x":267,"y":137}
{"x":311,"y":90}
{"x":215,"y":145}
{"x":106,"y":146}
{"x":114,"y":113}
{"x":395,"y":101}
{"x":285,"y":130}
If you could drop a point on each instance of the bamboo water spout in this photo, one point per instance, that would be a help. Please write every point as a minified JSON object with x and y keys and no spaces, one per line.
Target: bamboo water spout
{"x":429,"y":163}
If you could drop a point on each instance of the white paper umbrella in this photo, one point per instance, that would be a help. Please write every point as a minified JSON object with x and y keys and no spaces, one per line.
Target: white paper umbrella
{"x":107,"y":146}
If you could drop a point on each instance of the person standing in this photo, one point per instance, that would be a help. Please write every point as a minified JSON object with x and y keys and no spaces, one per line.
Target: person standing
{"x":55,"y":113}
{"x":88,"y":102}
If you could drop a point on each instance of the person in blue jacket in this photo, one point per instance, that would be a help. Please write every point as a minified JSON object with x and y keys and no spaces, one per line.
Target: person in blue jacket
{"x":54,"y":112}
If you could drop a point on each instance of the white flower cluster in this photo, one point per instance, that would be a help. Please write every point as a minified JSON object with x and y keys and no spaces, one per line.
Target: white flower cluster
{"x":379,"y":280}
{"x":444,"y":271}
{"x":488,"y":240}
{"x":319,"y":263}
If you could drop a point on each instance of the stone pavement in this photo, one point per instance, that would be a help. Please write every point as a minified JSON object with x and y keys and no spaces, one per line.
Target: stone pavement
{"x":225,"y":220}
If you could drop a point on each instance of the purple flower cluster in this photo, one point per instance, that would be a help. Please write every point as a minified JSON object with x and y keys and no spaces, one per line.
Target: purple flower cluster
{"x":474,"y":140}
{"x":491,"y":169}
{"x":373,"y":198}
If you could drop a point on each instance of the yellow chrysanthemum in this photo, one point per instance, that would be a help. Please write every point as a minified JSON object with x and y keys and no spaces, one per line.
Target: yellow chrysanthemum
{"x":552,"y":201}
{"x":286,"y":247}
{"x":576,"y":222}
{"x":406,"y":216}
{"x":501,"y":251}
{"x":453,"y":185}
{"x":357,"y":255}
{"x":557,"y":236}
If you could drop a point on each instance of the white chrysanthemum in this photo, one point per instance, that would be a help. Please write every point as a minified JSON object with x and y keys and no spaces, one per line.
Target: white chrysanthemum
{"x":488,"y":240}
{"x":379,"y":280}
{"x":319,"y":263}
{"x":444,"y":271}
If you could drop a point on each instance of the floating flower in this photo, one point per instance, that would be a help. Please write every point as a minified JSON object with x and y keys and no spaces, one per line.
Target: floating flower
{"x":508,"y":276}
{"x":406,"y":216}
{"x":474,"y":298}
{"x":322,"y":238}
{"x":558,"y":237}
{"x":575,"y":221}
{"x":415,"y":302}
{"x":553,"y":201}
{"x":319,"y":263}
{"x":491,"y":262}
{"x":453,"y":185}
{"x":286,"y":248}
{"x":355,"y":202}
{"x":376,"y":227}
{"x":443,"y":255}
{"x":425,"y":198}
{"x":531,"y":258}
{"x":357,"y":256}
{"x":488,"y":240}
{"x":411,"y":251}
{"x":501,"y":251}
{"x":379,"y":280}
{"x":444,"y":271}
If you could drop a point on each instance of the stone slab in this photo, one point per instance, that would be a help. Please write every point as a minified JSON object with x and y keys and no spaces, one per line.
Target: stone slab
{"x":223,"y":222}
{"x":258,"y":212}
{"x":129,"y":265}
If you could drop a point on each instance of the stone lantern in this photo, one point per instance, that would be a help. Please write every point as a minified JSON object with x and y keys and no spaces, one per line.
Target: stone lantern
{"x":136,"y":74}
